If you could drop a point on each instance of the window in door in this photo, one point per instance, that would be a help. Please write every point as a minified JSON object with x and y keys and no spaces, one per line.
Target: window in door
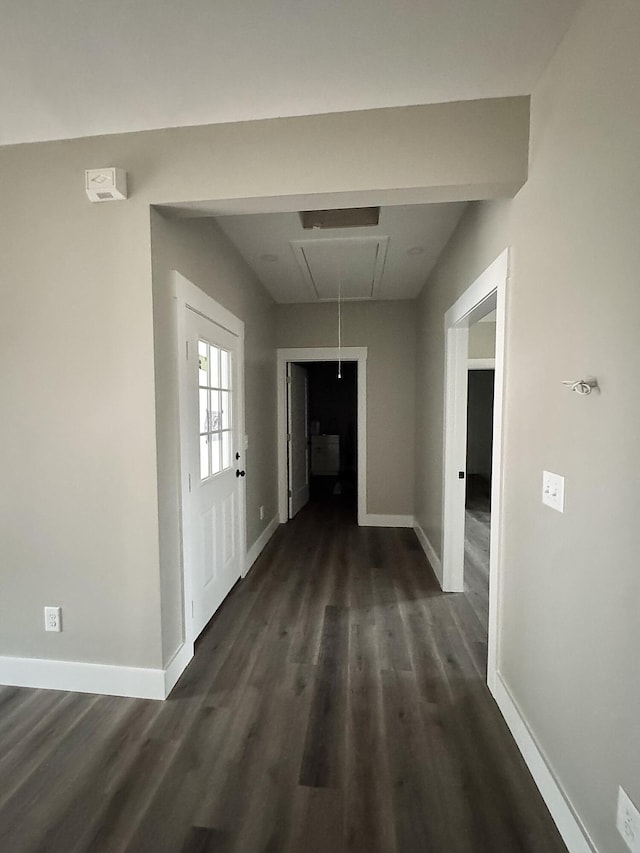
{"x":215,"y":393}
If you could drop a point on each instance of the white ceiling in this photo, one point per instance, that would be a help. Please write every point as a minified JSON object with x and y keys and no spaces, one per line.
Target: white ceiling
{"x":84,"y":67}
{"x":389,"y":261}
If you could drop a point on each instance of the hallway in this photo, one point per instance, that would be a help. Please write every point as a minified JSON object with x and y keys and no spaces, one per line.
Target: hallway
{"x":336,"y":702}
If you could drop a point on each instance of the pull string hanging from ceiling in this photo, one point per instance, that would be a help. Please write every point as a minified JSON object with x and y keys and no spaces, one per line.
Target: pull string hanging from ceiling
{"x":340,"y":321}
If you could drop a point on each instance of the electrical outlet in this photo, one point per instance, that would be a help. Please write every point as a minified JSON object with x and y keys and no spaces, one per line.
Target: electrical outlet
{"x":53,"y":619}
{"x":261,"y":513}
{"x":628,"y":821}
{"x":553,"y":490}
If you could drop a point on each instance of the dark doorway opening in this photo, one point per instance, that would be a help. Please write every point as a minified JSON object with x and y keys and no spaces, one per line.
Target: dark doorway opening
{"x":480,"y":394}
{"x":333,"y":432}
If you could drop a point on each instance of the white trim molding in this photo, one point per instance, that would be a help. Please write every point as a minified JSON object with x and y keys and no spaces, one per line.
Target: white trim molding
{"x":384,"y":520}
{"x":429,"y":550}
{"x":454,"y":453}
{"x":134,"y":682}
{"x":78,"y":677}
{"x":176,"y":667}
{"x":260,"y":544}
{"x":570,"y":827}
{"x":311,"y":354}
{"x":488,"y":292}
{"x":193,"y":297}
{"x":481,"y":364}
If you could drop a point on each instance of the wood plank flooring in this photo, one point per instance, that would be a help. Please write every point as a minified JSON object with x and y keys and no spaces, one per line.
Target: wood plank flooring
{"x":477,"y":530}
{"x":336,"y":703}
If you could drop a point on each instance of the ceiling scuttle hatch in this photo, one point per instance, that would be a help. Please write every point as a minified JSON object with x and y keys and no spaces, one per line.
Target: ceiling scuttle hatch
{"x":352,"y":265}
{"x":345,"y":217}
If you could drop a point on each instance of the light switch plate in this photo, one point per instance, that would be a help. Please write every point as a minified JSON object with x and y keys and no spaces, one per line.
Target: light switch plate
{"x":553,"y":490}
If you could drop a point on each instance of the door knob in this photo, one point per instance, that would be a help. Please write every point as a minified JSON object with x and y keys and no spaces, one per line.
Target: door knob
{"x":240,"y":473}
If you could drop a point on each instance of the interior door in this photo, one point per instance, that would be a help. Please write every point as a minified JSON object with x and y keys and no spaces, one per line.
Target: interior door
{"x":298,"y":431}
{"x":215,"y":465}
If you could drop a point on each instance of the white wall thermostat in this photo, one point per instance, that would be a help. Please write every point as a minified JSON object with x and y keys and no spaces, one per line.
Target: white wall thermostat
{"x":105,"y":184}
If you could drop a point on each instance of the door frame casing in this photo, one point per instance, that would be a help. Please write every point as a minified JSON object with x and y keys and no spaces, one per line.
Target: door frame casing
{"x":189,"y":297}
{"x":311,"y":354}
{"x":481,"y":364}
{"x":290,"y":483}
{"x":488,"y":291}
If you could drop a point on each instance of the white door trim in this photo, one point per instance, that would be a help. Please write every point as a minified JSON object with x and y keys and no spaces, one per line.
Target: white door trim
{"x":357,"y":354}
{"x":481,"y":364}
{"x":188,"y":297}
{"x":294,"y":505}
{"x":490,"y":289}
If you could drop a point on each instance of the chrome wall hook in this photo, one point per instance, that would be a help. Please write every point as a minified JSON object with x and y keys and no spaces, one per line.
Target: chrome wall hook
{"x":582,"y":386}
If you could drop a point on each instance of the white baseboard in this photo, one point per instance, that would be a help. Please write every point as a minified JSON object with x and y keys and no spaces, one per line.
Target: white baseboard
{"x":77,"y":677}
{"x":106,"y":679}
{"x":260,"y":544}
{"x":176,"y":667}
{"x":372,"y":520}
{"x":430,"y":552}
{"x":133,"y":681}
{"x":569,"y":824}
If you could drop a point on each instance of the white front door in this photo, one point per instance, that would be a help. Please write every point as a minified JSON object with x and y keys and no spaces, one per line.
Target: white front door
{"x":298,"y":431}
{"x":212,"y":516}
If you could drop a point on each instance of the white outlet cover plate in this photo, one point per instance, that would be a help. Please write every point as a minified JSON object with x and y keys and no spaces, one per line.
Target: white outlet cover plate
{"x":628,"y":821}
{"x":553,"y":490}
{"x":53,"y":619}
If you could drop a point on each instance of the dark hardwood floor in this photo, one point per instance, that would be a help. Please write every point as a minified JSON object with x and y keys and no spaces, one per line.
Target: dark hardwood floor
{"x":335,"y":703}
{"x":477,"y":530}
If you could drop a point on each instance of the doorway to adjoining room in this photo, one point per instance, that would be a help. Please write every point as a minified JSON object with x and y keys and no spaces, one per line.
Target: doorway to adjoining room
{"x":322,"y":430}
{"x":322,"y":415}
{"x":479,"y":459}
{"x":333,"y":432}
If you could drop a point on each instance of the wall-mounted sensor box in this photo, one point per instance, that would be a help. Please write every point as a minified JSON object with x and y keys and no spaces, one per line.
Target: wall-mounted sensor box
{"x":105,"y":184}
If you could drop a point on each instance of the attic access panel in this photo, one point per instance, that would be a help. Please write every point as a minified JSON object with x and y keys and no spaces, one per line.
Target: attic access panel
{"x":350,"y":266}
{"x":348,"y":217}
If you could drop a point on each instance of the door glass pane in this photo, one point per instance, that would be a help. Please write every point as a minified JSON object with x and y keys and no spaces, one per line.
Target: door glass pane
{"x":204,"y":457}
{"x":224,"y":369}
{"x":215,"y":453}
{"x":214,"y":419}
{"x":226,"y":450}
{"x":225,"y":410}
{"x":202,"y":363}
{"x":204,"y":410}
{"x":214,"y":367}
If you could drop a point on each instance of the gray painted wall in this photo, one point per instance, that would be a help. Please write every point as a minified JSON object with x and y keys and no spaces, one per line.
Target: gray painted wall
{"x":569,"y":633}
{"x":388,"y":330}
{"x":477,"y":241}
{"x":79,"y":505}
{"x":482,"y":340}
{"x":201,"y":253}
{"x":480,"y":422}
